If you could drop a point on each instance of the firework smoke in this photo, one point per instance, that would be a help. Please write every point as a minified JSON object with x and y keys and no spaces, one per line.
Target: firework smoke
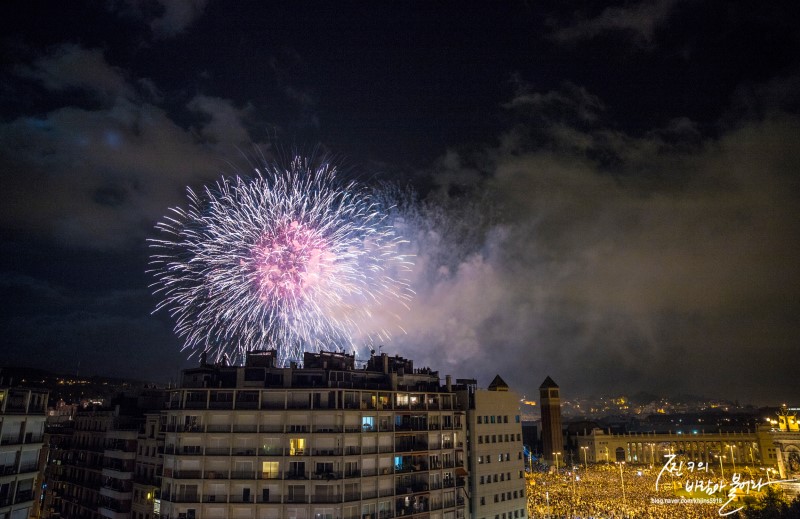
{"x":290,"y":259}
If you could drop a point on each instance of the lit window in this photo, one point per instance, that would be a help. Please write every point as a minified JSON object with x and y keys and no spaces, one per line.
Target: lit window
{"x":269,"y":469}
{"x":297,"y":446}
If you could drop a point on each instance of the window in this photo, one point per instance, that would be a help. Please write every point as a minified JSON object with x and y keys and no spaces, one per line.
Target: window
{"x":324,"y":468}
{"x":483,"y":500}
{"x":368,"y":423}
{"x":505,"y":419}
{"x":479,"y":419}
{"x":297,"y":493}
{"x":269,"y":469}
{"x":297,"y":446}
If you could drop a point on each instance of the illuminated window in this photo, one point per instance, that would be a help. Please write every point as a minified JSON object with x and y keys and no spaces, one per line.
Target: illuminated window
{"x":368,"y":423}
{"x":269,"y":469}
{"x":297,"y":446}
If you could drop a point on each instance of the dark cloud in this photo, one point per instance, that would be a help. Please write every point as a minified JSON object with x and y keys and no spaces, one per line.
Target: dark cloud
{"x":628,"y":278}
{"x":621,"y":214}
{"x":99,"y":177}
{"x":638,"y":20}
{"x":166,"y":18}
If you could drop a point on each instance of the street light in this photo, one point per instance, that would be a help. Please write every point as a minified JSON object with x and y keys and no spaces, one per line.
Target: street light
{"x":555,"y":456}
{"x":652,"y":454}
{"x":720,"y":465}
{"x":733,"y":459}
{"x":584,"y":449}
{"x":622,"y":480}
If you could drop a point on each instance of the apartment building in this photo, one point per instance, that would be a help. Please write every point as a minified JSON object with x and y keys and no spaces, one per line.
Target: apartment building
{"x":22,"y":416}
{"x":323,"y":441}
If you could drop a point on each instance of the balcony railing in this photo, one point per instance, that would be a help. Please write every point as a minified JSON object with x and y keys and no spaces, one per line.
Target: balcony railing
{"x":326,"y":498}
{"x":187,"y":474}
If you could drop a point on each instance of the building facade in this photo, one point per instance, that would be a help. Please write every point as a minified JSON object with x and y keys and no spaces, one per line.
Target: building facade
{"x":496,"y":463}
{"x":148,"y":467}
{"x":22,"y":417}
{"x":323,"y":441}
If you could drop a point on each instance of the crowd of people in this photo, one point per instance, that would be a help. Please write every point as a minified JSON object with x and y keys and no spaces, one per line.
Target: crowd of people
{"x":617,"y":491}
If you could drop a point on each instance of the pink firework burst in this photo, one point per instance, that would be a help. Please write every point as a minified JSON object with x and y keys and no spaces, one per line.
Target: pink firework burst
{"x":290,"y":259}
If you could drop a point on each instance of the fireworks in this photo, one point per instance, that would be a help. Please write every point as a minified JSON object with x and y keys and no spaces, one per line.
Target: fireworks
{"x":290,"y":259}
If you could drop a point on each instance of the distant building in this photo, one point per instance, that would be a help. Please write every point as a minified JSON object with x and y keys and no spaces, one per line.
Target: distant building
{"x":552,"y":436}
{"x":22,"y":416}
{"x":496,"y":464}
{"x":89,"y":470}
{"x":774,"y":448}
{"x":323,"y":441}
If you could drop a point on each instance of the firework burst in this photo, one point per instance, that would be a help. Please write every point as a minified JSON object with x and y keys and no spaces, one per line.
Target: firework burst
{"x":289,"y":259}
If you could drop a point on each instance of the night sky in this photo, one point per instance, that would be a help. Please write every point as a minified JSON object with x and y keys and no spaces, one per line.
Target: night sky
{"x":605,"y":194}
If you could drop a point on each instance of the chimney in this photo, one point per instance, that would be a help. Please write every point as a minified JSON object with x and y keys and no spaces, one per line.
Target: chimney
{"x":448,"y":382}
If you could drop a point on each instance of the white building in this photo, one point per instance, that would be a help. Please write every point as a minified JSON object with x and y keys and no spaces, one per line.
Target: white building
{"x":321,"y":442}
{"x":496,"y":465}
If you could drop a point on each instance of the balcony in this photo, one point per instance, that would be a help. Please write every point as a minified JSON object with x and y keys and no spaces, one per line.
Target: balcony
{"x":243,"y":474}
{"x":187,"y":474}
{"x":23,"y":496}
{"x":326,"y":498}
{"x":325,"y":428}
{"x":28,"y":467}
{"x":218,"y":451}
{"x":326,"y":475}
{"x":326,"y":452}
{"x":184,"y":498}
{"x":270,"y":451}
{"x":112,"y":514}
{"x":244,"y":451}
